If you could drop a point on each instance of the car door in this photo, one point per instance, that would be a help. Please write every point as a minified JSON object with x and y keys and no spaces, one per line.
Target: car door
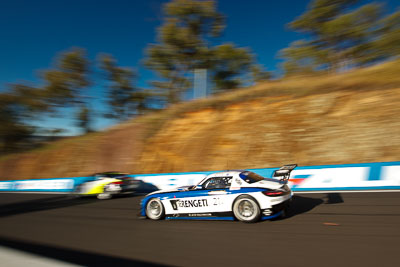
{"x":188,"y":202}
{"x":219,"y":196}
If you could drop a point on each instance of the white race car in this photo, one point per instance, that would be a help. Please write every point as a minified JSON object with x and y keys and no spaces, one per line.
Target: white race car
{"x":240,"y":194}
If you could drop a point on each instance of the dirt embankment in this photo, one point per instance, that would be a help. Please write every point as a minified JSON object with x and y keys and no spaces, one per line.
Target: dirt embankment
{"x":337,"y":119}
{"x":331,"y":128}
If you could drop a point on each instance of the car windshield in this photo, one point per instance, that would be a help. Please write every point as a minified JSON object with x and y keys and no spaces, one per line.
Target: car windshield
{"x":218,"y":182}
{"x":250,"y":177}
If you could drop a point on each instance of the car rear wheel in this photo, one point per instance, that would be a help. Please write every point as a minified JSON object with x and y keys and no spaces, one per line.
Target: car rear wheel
{"x":154,"y":209}
{"x":246,"y":209}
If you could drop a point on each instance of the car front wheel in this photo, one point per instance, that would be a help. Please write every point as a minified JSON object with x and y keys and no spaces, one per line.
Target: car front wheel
{"x":246,"y":209}
{"x":106,"y":193}
{"x":154,"y":209}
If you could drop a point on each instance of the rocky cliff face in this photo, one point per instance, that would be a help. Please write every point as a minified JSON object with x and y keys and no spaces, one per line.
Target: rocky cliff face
{"x":349,"y":118}
{"x":331,"y":128}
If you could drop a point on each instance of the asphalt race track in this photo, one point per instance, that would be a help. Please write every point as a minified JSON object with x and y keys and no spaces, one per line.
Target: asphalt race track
{"x":348,"y":229}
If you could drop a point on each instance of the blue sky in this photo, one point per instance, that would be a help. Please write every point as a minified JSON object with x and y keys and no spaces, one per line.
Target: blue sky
{"x":32,"y":33}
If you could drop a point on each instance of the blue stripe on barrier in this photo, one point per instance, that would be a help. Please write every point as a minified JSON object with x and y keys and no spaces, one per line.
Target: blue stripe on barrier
{"x":374,"y":172}
{"x":301,"y":176}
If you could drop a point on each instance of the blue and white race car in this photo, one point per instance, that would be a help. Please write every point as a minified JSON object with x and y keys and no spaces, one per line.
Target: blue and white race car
{"x":239,"y":194}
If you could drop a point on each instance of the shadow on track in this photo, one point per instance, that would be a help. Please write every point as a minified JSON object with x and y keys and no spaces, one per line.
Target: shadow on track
{"x":301,"y":204}
{"x":334,"y":198}
{"x":71,"y":255}
{"x":47,"y":203}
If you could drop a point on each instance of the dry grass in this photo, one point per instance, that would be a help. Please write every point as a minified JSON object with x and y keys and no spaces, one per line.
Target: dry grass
{"x":373,"y":78}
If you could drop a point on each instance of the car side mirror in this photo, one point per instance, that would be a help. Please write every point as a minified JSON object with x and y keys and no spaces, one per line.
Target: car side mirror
{"x":198,"y":187}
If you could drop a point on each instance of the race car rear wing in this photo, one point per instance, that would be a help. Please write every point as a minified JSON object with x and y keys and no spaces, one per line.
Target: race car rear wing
{"x":284,"y":172}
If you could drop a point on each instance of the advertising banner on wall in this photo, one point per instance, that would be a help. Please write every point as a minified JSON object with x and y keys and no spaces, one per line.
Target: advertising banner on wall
{"x":328,"y":178}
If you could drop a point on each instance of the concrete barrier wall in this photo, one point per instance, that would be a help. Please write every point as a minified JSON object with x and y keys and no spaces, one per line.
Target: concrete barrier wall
{"x":348,"y":177}
{"x":55,"y":185}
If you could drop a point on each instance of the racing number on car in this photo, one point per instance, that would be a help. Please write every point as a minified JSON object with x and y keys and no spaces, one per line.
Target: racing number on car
{"x":217,"y":201}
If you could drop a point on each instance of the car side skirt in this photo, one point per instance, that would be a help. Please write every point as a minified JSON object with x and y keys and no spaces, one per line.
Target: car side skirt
{"x":202,"y":216}
{"x":216,"y":216}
